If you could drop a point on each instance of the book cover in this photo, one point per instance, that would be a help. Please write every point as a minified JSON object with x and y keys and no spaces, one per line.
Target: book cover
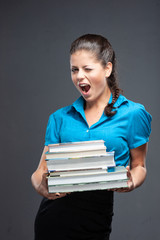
{"x":76,"y":154}
{"x":103,"y":161}
{"x":76,"y":146}
{"x":76,"y":172}
{"x":119,"y":173}
{"x":88,"y":186}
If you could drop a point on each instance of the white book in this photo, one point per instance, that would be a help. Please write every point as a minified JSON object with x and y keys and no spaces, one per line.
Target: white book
{"x":76,"y":172}
{"x":64,"y":164}
{"x":76,"y":146}
{"x":88,"y":186}
{"x":76,"y":153}
{"x":117,"y":173}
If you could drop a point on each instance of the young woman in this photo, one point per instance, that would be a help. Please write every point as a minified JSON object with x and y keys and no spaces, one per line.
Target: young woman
{"x":100,"y":113}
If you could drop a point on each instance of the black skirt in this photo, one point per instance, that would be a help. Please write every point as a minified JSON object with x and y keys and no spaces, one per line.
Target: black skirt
{"x":78,"y":216}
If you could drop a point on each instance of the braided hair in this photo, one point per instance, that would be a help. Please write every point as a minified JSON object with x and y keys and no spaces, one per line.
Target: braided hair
{"x":104,"y":53}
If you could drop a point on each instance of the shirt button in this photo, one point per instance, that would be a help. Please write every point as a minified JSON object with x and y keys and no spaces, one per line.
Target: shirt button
{"x":87,"y":131}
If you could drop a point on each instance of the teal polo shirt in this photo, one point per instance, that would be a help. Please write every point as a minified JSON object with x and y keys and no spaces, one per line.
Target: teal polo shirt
{"x":129,"y":128}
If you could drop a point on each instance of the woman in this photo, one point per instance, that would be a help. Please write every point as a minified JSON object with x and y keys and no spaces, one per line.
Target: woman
{"x":100,"y":113}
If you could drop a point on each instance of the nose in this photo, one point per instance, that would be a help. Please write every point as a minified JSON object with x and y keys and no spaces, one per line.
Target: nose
{"x":80,"y":74}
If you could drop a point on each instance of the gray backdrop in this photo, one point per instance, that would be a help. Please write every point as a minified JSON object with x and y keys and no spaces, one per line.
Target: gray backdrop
{"x":35,"y":81}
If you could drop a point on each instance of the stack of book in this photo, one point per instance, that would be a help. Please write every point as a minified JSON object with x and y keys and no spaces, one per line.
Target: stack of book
{"x":83,"y":166}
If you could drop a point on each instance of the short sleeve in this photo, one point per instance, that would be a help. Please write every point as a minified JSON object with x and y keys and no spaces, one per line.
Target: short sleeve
{"x":139,"y":127}
{"x":51,"y":131}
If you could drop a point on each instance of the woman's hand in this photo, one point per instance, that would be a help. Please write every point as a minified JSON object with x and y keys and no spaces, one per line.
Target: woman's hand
{"x":39,"y":179}
{"x":43,"y":190}
{"x":130,"y":183}
{"x":137,"y":173}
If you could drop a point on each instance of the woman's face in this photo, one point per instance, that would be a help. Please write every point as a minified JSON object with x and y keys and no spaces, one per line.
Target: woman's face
{"x":89,"y":76}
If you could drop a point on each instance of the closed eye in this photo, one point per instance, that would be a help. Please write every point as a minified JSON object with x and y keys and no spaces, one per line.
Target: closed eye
{"x":88,"y":69}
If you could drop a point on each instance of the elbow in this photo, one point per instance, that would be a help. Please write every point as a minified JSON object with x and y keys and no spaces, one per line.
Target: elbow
{"x":139,"y":174}
{"x":32,"y":178}
{"x":142,"y":176}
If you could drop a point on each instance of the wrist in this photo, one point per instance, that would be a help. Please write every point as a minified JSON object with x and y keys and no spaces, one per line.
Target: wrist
{"x":138,"y":176}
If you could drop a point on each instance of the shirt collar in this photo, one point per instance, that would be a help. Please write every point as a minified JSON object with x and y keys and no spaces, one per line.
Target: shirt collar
{"x":79,"y":103}
{"x":121,"y":99}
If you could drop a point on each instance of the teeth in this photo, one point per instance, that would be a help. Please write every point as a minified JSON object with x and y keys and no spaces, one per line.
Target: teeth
{"x":83,"y":85}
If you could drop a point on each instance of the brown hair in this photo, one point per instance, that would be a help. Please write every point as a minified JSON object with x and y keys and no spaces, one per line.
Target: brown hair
{"x":104,"y":53}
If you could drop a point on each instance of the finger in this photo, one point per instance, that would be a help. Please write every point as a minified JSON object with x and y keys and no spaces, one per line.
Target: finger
{"x":52,"y":196}
{"x":57,"y":194}
{"x":120,"y":190}
{"x":129,"y":175}
{"x":128,"y":168}
{"x":129,"y":172}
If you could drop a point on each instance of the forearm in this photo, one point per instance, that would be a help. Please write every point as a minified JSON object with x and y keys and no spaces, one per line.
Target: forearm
{"x":37,"y":176}
{"x":138,"y":175}
{"x":39,"y":182}
{"x":36,"y":179}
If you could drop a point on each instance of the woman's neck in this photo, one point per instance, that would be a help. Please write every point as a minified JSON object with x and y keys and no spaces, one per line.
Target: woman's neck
{"x":94,"y":110}
{"x":98,"y":103}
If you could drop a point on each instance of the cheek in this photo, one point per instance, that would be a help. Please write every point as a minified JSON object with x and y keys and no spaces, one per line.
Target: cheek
{"x":101,"y":82}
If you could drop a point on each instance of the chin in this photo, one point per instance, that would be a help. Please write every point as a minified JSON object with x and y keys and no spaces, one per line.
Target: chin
{"x":88,"y":99}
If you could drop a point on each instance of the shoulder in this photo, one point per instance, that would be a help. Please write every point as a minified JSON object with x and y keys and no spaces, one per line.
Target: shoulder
{"x":122,"y":100}
{"x":135,"y":107}
{"x":138,"y":116}
{"x":61,"y":112}
{"x":138,"y":124}
{"x":130,"y":106}
{"x":69,"y":110}
{"x":132,"y":111}
{"x":138,"y":110}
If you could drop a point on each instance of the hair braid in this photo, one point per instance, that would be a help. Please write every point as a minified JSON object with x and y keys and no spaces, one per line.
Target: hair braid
{"x":115,"y":90}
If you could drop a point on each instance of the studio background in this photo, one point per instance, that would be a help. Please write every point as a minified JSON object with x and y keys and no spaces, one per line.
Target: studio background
{"x":35,"y":81}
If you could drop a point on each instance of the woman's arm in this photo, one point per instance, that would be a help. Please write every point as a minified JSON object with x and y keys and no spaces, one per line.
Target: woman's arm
{"x":137,"y":171}
{"x":138,"y":165}
{"x":39,"y":180}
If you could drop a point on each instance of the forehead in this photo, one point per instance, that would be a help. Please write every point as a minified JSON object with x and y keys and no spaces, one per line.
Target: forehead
{"x":83,"y":57}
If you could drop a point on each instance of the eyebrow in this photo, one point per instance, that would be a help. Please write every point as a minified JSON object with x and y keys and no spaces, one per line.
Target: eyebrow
{"x":88,"y":65}
{"x":83,"y":66}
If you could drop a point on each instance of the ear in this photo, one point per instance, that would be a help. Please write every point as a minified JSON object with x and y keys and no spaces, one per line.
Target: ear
{"x":108,"y":69}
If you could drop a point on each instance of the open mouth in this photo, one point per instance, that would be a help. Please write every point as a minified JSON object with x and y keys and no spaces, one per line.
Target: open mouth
{"x":84,"y":87}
